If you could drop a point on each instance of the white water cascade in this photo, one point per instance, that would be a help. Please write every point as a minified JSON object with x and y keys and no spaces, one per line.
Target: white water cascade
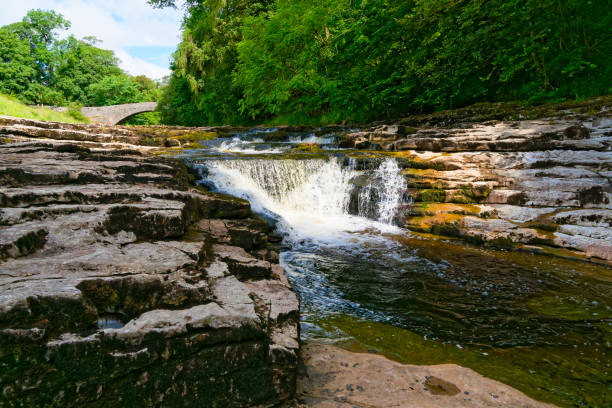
{"x":380,"y":198}
{"x":246,"y":146}
{"x":310,"y":198}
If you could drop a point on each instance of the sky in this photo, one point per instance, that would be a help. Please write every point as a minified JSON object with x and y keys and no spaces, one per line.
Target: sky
{"x":142,"y":37}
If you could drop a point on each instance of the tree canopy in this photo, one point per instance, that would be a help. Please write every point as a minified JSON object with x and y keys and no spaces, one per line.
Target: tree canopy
{"x":249,"y":61}
{"x":40,"y":66}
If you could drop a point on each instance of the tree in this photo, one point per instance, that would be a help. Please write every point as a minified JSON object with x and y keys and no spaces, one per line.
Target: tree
{"x":82,"y":64}
{"x":150,"y":89}
{"x":113,"y":90}
{"x":17,"y":66}
{"x":38,"y":66}
{"x":40,"y":29}
{"x":282,"y":61}
{"x":205,"y":59}
{"x":364,"y":60}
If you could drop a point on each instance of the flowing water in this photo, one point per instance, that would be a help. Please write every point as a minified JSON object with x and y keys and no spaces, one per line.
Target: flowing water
{"x":541,"y":324}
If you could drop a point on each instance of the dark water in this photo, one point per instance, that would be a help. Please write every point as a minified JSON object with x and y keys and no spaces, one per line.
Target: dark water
{"x":539,"y":323}
{"x":110,"y":322}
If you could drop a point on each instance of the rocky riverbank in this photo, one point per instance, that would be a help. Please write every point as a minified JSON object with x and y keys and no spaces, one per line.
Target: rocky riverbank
{"x":532,"y":184}
{"x":123,"y":285}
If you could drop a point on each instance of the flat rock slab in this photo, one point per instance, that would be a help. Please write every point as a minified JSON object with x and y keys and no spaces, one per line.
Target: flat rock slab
{"x":124,"y":285}
{"x":551,"y":186}
{"x":336,"y":378}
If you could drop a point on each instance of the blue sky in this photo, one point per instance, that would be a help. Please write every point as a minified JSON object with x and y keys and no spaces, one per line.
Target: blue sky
{"x":142,"y":37}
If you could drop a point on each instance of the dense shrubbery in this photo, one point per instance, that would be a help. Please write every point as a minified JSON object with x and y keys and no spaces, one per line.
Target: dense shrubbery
{"x":39,"y":67}
{"x":245,"y":61}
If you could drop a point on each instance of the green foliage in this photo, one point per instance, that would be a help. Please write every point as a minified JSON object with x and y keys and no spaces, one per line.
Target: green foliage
{"x":145,"y":118}
{"x":150,"y":89}
{"x":177,"y":103}
{"x":74,"y":111}
{"x":11,"y":106}
{"x":432,"y":196}
{"x":17,"y":66}
{"x":246,"y":61}
{"x":30,"y":50}
{"x":113,"y":90}
{"x":40,"y":67}
{"x":283,"y":60}
{"x":81,"y":65}
{"x":204,"y":62}
{"x":40,"y":29}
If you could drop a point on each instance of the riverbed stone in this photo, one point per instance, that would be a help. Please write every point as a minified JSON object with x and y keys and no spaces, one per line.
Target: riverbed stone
{"x":338,"y":378}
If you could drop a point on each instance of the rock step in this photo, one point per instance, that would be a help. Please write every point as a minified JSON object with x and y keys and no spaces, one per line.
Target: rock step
{"x":65,"y":166}
{"x":506,"y":226}
{"x":510,"y":136}
{"x":123,"y":285}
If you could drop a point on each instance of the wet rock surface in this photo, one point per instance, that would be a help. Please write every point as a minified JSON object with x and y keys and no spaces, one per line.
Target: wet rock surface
{"x":507,"y":184}
{"x":124,"y":285}
{"x":341,"y":379}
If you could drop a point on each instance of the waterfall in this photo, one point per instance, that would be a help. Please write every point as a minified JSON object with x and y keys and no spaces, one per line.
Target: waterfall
{"x":317,"y":186}
{"x":310,"y":197}
{"x":380,"y":198}
{"x":247,"y":146}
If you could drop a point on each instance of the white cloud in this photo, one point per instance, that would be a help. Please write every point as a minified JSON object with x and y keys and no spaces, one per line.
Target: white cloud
{"x":120,"y":24}
{"x":137,"y":66}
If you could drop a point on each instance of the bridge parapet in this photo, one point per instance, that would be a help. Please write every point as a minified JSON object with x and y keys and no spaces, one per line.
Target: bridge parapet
{"x":114,"y":114}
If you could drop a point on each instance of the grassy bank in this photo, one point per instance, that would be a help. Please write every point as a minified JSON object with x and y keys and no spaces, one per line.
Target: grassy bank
{"x":10,"y":106}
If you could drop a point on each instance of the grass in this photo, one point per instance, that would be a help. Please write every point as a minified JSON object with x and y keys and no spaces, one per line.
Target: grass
{"x":10,"y":106}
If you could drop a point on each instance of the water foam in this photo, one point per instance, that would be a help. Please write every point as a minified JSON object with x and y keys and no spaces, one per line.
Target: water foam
{"x":310,"y":198}
{"x":388,"y":185}
{"x":246,"y":146}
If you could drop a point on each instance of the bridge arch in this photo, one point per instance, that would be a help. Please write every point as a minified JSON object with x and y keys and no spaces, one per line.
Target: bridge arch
{"x":113,"y":114}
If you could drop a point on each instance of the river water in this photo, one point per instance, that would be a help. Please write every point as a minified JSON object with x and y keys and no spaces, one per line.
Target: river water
{"x":538,"y":323}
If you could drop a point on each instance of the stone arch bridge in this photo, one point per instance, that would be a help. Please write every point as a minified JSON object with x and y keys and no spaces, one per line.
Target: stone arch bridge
{"x":113,"y":114}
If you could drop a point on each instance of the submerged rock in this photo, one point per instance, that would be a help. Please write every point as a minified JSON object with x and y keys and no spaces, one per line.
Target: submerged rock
{"x":124,"y":285}
{"x":339,"y":378}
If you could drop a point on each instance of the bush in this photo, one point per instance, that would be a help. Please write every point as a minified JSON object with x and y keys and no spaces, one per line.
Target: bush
{"x":74,"y":111}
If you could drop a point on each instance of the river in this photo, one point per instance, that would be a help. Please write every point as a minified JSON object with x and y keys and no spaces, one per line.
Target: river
{"x":541,"y":324}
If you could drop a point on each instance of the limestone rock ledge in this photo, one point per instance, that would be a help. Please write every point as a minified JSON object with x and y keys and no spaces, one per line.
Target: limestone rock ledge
{"x":121,"y":285}
{"x":541,"y":185}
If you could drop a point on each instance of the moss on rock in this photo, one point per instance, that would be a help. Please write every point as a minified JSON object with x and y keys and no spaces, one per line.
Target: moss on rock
{"x":431,"y":195}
